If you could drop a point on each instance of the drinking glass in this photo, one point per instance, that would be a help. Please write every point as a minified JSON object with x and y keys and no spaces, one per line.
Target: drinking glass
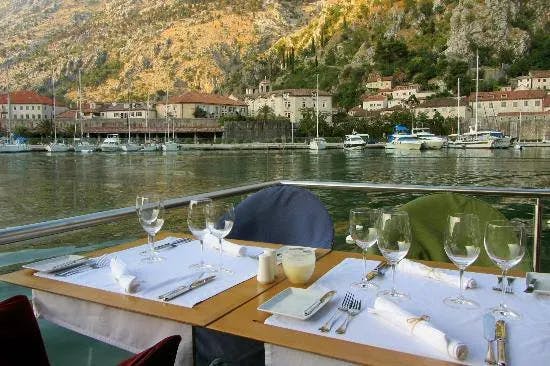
{"x":363,"y":230}
{"x":462,"y":244}
{"x":394,"y":241}
{"x":196,"y":220}
{"x":220,"y":217}
{"x":150,"y":209}
{"x":505,"y":244}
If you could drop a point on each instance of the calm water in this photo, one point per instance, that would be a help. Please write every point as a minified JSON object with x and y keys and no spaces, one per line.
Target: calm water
{"x":36,"y":187}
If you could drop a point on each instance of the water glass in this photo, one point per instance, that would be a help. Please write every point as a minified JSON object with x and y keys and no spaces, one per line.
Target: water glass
{"x":394,"y":241}
{"x":363,"y":231}
{"x":196,"y":221}
{"x":462,"y":244}
{"x":505,"y":244}
{"x":220,"y":217}
{"x":150,"y":211}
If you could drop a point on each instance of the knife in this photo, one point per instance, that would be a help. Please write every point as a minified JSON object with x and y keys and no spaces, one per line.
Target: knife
{"x":173,"y":244}
{"x":378,"y":271}
{"x":170,"y":295}
{"x":500,"y":335}
{"x":315,"y":305}
{"x":489,"y":335}
{"x":71,"y":264}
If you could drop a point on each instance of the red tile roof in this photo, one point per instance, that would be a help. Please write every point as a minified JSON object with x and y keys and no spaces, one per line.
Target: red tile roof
{"x":540,"y":73}
{"x":443,"y":102}
{"x":67,"y":114}
{"x":375,"y":78}
{"x":203,"y":98}
{"x":26,"y":97}
{"x":508,"y":95}
{"x":524,"y":113}
{"x":377,"y":97}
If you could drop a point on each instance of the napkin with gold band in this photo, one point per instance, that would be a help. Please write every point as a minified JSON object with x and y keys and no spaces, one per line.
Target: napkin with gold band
{"x":420,"y":327}
{"x":122,"y":275}
{"x":415,"y":268}
{"x":230,"y":248}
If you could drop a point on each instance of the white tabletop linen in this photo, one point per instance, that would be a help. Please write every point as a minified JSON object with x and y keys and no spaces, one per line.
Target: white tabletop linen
{"x":532,"y":333}
{"x":451,"y":278}
{"x":160,"y":277}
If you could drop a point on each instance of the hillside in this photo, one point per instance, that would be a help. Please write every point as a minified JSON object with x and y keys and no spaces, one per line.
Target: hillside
{"x":146,"y":47}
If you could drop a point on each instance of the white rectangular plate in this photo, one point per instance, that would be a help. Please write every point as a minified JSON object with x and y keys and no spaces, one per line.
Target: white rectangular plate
{"x":542,"y":286}
{"x":56,"y":263}
{"x":293,"y":302}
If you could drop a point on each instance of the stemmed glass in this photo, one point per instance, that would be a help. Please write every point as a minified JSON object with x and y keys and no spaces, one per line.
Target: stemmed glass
{"x":220,"y":217}
{"x":363,"y":230}
{"x":462,"y":245}
{"x":505,"y":244}
{"x":394,"y":241}
{"x":196,"y":220}
{"x":150,"y":209}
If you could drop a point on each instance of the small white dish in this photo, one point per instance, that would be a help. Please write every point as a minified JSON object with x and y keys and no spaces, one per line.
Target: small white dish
{"x":56,"y":263}
{"x":293,"y":302}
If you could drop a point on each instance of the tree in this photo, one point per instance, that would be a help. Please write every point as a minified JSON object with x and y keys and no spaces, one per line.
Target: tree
{"x":265,"y":113}
{"x":199,"y":112}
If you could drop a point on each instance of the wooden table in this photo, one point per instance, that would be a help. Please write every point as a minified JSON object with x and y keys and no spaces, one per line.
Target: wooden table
{"x":135,"y":313}
{"x":247,"y":321}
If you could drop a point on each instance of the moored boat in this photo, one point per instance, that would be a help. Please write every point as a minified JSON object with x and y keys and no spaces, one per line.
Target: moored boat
{"x":111,"y":143}
{"x":430,"y":140}
{"x":354,"y":141}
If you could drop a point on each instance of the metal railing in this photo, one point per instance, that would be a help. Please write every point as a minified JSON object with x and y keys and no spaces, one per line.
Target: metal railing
{"x":37,"y":230}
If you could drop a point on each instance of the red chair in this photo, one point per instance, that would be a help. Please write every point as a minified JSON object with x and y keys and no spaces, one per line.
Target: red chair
{"x":21,"y":342}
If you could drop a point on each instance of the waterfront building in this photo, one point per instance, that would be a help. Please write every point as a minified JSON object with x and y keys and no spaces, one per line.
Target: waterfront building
{"x":201,"y":105}
{"x":379,"y":82}
{"x":446,"y":107}
{"x":404,"y":92}
{"x":28,"y":106}
{"x":289,"y":103}
{"x":495,"y":103}
{"x":536,"y":80}
{"x":127,"y":110}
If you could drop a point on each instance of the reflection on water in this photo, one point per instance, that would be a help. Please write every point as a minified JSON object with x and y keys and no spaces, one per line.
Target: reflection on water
{"x":38,"y":186}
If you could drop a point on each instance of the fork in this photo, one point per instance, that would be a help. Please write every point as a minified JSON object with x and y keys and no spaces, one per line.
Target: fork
{"x":344,"y":306}
{"x":354,"y":309}
{"x":508,"y":288}
{"x":94,"y":263}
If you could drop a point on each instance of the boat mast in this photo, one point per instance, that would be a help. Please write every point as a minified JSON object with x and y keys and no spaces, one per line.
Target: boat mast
{"x":167,"y":133}
{"x":317,"y":104}
{"x":80,"y":104}
{"x":53,"y":116}
{"x":519,"y":133}
{"x":477,"y":86}
{"x":147,"y":119}
{"x":9,"y":107}
{"x":128,"y":114}
{"x":458,"y":108}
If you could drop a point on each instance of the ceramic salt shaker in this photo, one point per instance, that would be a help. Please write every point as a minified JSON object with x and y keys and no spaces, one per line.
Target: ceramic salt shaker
{"x":264,"y":269}
{"x":272,"y":262}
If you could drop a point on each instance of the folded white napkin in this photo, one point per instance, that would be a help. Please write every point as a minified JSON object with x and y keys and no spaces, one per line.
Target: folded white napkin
{"x":420,"y":327}
{"x":415,"y":268}
{"x":122,"y":275}
{"x":233,"y":249}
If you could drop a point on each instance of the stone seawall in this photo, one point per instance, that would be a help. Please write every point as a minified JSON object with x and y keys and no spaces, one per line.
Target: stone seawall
{"x":534,"y":127}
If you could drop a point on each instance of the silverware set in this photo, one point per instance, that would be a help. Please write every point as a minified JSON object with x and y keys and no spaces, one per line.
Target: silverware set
{"x":92,"y":263}
{"x":170,"y":244}
{"x":508,"y":287}
{"x":348,"y":306}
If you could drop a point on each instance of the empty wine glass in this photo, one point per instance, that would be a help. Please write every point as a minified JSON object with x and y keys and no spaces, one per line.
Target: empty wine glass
{"x":394,"y":241}
{"x":196,"y":220}
{"x":505,"y":244}
{"x":150,"y":209}
{"x":462,"y":244}
{"x":220,"y":217}
{"x":363,"y":230}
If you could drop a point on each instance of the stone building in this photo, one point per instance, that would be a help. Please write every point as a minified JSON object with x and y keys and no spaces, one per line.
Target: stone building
{"x":197,"y":105}
{"x":127,"y":110}
{"x":28,"y":105}
{"x":495,"y":103}
{"x":374,"y":102}
{"x":536,"y":80}
{"x":446,"y":107}
{"x":379,"y":82}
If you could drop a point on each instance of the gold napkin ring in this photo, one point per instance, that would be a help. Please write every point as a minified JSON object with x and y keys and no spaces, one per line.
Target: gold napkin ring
{"x":416,"y":320}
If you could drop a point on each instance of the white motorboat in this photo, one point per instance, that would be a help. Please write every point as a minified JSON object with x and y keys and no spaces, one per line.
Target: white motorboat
{"x":354,"y":142}
{"x":83,"y":146}
{"x":111,"y":143}
{"x":405,"y":142}
{"x":170,"y":146}
{"x":318,"y":143}
{"x":130,"y":147}
{"x":13,"y":146}
{"x":430,"y":140}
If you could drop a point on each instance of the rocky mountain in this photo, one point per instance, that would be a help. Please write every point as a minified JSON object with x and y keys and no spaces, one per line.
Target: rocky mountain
{"x":148,"y":46}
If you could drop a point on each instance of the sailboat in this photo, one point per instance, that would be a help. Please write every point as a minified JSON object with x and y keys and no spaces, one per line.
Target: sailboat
{"x":130,"y":146}
{"x":11,"y":145}
{"x":79,"y":144}
{"x":56,"y":146}
{"x":475,"y":138}
{"x":169,"y":144}
{"x":318,"y":143}
{"x":518,"y":145}
{"x":149,"y":145}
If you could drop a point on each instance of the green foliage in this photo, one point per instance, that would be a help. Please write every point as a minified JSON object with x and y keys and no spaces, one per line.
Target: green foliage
{"x":199,"y":112}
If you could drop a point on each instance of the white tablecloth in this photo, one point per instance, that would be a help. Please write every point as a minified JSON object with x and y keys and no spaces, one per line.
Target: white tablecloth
{"x":160,"y":277}
{"x":528,"y":342}
{"x":132,"y":331}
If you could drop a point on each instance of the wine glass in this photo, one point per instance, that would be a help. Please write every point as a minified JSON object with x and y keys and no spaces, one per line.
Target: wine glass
{"x":150,"y":209}
{"x":462,"y":244}
{"x":363,"y":230}
{"x":220,"y":217}
{"x":394,"y":241}
{"x":505,"y":244}
{"x":196,"y":220}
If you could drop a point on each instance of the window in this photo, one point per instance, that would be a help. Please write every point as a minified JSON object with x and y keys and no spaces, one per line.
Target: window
{"x":26,"y":116}
{"x":526,"y":103}
{"x":20,"y":107}
{"x":303,"y":103}
{"x":491,"y":104}
{"x":27,"y":107}
{"x":324,"y":104}
{"x":537,"y":103}
{"x":515,"y":104}
{"x":503,"y":104}
{"x":14,"y":108}
{"x":287,"y":114}
{"x":33,"y":116}
{"x":138,"y":114}
{"x":287,"y":104}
